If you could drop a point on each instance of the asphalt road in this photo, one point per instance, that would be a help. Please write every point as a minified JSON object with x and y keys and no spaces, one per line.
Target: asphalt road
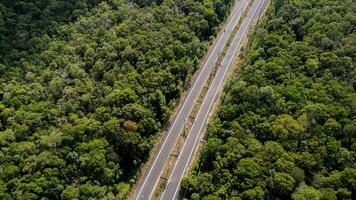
{"x":151,"y":178}
{"x":194,"y":135}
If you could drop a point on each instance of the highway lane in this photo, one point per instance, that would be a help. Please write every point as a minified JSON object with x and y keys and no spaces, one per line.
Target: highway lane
{"x":172,"y":188}
{"x":151,"y":178}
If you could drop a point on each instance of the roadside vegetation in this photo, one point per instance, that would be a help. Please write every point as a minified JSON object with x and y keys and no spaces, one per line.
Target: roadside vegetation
{"x":86,"y":85}
{"x":286,"y":128}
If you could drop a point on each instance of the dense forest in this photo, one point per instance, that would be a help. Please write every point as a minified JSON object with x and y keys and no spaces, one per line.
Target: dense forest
{"x":22,"y":23}
{"x":286,"y":128}
{"x":85,"y":86}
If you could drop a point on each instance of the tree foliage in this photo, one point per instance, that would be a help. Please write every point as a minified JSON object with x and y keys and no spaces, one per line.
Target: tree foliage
{"x":85,"y":86}
{"x":286,"y":127}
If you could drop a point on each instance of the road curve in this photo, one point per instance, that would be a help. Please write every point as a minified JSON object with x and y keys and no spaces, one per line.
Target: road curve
{"x":194,"y":135}
{"x":151,"y":178}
